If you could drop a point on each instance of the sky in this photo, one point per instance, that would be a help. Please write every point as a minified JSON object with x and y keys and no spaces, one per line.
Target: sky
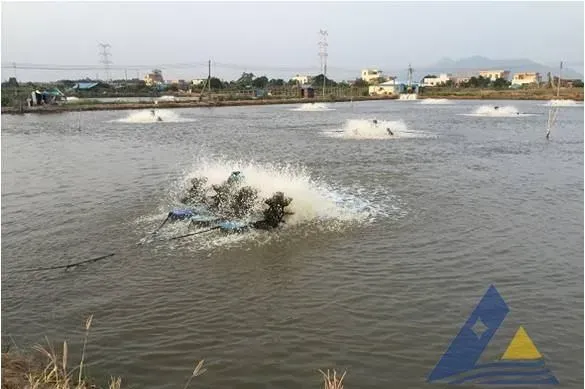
{"x":280,"y":39}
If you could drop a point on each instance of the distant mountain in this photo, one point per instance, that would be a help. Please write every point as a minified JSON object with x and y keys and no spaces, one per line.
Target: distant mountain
{"x":477,"y":63}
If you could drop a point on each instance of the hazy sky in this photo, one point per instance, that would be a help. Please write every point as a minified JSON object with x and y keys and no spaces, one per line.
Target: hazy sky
{"x":278,"y":38}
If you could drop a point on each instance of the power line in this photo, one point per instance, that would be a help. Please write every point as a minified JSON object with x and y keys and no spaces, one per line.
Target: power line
{"x":105,"y":54}
{"x":222,"y":65}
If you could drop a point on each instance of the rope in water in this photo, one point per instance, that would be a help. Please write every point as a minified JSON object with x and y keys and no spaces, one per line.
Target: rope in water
{"x":66,"y":266}
{"x":96,"y":259}
{"x":195,"y":233}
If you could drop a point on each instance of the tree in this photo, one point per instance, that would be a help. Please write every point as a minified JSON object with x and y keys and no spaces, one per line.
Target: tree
{"x":12,"y":82}
{"x":318,"y":81}
{"x":276,"y":82}
{"x":578,"y":84}
{"x":260,"y":82}
{"x":360,"y":83}
{"x":501,"y":83}
{"x":245,"y":80}
{"x":215,"y":83}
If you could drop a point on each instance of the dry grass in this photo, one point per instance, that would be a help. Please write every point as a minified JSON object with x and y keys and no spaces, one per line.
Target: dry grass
{"x":332,"y":381}
{"x":50,"y":369}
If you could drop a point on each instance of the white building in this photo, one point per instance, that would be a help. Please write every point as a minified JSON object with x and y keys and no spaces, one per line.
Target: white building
{"x":198,"y":81}
{"x":385,"y":88}
{"x":435,"y":81}
{"x":369,"y":75}
{"x":526,"y":78}
{"x":495,"y":74}
{"x":302,"y":79}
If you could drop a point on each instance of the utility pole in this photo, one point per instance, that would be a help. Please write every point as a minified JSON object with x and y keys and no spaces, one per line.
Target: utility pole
{"x":208,"y":86}
{"x":15,"y":79}
{"x":105,"y":54}
{"x":209,"y":76}
{"x":323,"y":54}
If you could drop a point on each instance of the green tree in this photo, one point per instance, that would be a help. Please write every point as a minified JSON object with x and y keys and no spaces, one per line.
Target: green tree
{"x":276,"y":82}
{"x":260,"y":82}
{"x":578,"y":84}
{"x":501,"y":83}
{"x":215,"y":83}
{"x":318,"y":81}
{"x":245,"y":80}
{"x":359,"y":83}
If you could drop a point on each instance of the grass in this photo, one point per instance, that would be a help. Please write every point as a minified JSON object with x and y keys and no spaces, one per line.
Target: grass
{"x":511,"y":94}
{"x":50,"y":369}
{"x":332,"y":381}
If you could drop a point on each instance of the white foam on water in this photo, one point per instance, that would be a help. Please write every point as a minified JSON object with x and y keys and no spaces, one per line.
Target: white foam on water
{"x":146,"y":116}
{"x":366,"y":129}
{"x":491,"y":111}
{"x":435,"y":101}
{"x":315,"y":203}
{"x":408,"y":97}
{"x":310,"y":107}
{"x":563,"y":103}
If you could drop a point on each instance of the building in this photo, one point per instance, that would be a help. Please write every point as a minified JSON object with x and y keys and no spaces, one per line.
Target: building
{"x":406,"y":87}
{"x":371,"y":75}
{"x":154,"y":78}
{"x":49,"y":96}
{"x":198,"y":81}
{"x":181,"y":84}
{"x":526,"y":78}
{"x":435,"y":81}
{"x":307,"y":91}
{"x":384,"y":89}
{"x":302,"y":80}
{"x":495,"y":74}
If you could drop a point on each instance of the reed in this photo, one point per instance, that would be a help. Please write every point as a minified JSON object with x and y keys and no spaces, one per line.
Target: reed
{"x":50,"y":368}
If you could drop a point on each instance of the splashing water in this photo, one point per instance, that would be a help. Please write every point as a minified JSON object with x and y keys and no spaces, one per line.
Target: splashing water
{"x":563,"y":103}
{"x":146,"y":116}
{"x":435,"y":101}
{"x":315,"y":203}
{"x":367,"y":129}
{"x":408,"y":96}
{"x":313,"y":107}
{"x":311,"y":198}
{"x":491,"y":111}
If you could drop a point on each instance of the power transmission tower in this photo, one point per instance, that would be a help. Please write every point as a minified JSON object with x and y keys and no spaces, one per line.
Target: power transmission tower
{"x":105,"y":54}
{"x":323,"y":54}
